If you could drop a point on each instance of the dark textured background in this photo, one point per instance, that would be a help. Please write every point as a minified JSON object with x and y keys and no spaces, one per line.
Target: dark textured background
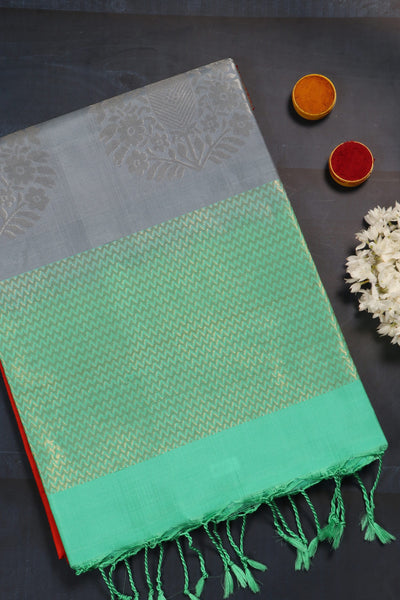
{"x":52,"y":62}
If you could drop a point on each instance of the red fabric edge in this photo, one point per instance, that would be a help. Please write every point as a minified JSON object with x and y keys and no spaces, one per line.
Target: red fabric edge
{"x":245,"y":89}
{"x":53,"y":527}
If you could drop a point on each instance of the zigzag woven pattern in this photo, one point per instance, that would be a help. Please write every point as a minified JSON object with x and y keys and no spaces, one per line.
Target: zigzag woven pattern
{"x":166,"y":336}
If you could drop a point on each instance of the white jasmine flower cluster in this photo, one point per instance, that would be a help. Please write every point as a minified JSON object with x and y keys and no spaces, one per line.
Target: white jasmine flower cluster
{"x":375,"y":269}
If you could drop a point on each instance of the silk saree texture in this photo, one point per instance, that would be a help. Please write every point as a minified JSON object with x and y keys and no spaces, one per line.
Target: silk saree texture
{"x":166,"y":340}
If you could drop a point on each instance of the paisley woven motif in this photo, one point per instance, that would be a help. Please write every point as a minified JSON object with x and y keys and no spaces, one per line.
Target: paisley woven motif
{"x":178,"y":332}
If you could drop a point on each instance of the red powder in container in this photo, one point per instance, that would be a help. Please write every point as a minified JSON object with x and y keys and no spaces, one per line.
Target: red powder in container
{"x":351,"y":161}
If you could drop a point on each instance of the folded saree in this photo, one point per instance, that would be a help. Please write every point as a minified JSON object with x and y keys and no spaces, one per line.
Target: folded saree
{"x":168,"y":346}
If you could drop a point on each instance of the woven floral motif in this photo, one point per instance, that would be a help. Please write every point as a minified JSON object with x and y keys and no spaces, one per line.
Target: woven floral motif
{"x":25,"y":178}
{"x":178,"y":125}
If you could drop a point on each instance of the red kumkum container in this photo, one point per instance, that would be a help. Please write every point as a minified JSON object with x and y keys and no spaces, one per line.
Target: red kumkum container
{"x":351,"y":163}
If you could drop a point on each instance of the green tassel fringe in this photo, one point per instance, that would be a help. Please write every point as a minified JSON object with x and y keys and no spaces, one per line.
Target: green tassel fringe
{"x":332,"y":532}
{"x":313,"y":547}
{"x":368,"y":524}
{"x":302,"y":560}
{"x":334,"y":529}
{"x":256,"y":565}
{"x":239,"y":574}
{"x":228,"y":584}
{"x":372,"y":531}
{"x":200,"y":586}
{"x":204,"y":575}
{"x":251,"y":582}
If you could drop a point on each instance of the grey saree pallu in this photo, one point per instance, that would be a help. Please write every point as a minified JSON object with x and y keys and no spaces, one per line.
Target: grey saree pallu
{"x":166,"y":340}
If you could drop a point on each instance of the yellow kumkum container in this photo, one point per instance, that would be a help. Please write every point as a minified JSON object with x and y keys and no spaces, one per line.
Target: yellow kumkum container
{"x":313,"y":96}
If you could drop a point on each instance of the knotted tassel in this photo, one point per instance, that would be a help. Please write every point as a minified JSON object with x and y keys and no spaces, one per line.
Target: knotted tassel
{"x":204,"y":575}
{"x":368,"y":524}
{"x":302,"y":558}
{"x":200,"y":586}
{"x":228,"y":583}
{"x":239,"y":574}
{"x":333,"y":530}
{"x":228,"y":580}
{"x":374,"y":530}
{"x":256,"y":565}
{"x":228,"y":564}
{"x":314,"y":543}
{"x":303,"y":554}
{"x":251,"y":582}
{"x":253,"y":585}
{"x":337,"y":532}
{"x":237,"y":571}
{"x":246,"y":562}
{"x":313,"y":547}
{"x":186,"y":590}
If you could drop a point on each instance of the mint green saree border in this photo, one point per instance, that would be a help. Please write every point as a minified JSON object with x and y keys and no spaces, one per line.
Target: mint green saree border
{"x":333,"y":434}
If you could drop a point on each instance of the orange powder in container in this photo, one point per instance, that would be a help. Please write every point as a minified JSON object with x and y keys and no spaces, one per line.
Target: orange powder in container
{"x":314,"y":96}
